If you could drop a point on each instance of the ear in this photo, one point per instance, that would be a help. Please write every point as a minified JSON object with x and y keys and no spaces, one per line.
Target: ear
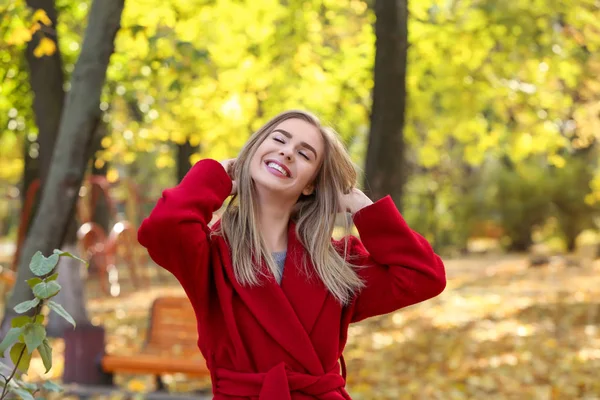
{"x":308,"y":190}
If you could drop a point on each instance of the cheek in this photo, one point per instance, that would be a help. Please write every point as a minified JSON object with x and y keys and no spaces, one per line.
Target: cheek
{"x":309,"y":173}
{"x":254,"y":164}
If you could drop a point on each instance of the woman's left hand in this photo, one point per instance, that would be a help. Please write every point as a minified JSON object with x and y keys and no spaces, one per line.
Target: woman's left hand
{"x":354,"y":201}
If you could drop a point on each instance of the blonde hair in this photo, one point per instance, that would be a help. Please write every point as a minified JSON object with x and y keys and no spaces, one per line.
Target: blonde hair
{"x":315,"y":215}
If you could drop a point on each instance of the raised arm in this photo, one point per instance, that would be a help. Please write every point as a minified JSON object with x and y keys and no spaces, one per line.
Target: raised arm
{"x":401,"y":267}
{"x":176,"y":232}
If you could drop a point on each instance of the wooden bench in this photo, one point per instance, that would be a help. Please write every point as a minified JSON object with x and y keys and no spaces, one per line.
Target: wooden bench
{"x":171,"y":344}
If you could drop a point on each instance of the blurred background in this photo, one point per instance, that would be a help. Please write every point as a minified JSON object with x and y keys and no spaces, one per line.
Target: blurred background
{"x":480,"y":118}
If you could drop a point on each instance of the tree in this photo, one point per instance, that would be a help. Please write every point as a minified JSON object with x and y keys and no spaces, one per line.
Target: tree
{"x":184,"y":152}
{"x":47,"y":80}
{"x":385,"y":168}
{"x":78,"y":123}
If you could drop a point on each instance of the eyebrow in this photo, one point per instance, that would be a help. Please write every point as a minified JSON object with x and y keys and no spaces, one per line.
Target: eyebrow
{"x":303,"y":144}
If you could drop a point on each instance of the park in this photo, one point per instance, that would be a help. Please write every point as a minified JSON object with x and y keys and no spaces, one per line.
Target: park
{"x":479,"y":119}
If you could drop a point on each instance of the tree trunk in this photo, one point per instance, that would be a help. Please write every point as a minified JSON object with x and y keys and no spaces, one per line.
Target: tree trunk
{"x":47,"y":79}
{"x":385,"y":167}
{"x":80,"y":117}
{"x":184,"y":152}
{"x":100,"y":214}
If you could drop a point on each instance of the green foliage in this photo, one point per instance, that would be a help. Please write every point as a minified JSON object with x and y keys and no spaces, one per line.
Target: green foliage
{"x":494,"y":89}
{"x":570,"y":188}
{"x":522,"y":201}
{"x":28,"y":332}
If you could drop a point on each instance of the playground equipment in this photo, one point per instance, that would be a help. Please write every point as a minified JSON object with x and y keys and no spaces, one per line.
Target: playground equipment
{"x":103,"y":249}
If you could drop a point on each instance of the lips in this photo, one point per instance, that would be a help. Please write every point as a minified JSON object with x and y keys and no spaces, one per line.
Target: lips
{"x":279,"y":167}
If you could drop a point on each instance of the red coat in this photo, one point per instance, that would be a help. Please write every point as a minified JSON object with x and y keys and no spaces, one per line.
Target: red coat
{"x":274,"y":342}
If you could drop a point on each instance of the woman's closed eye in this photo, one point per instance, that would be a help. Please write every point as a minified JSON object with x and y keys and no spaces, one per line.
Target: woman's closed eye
{"x":303,"y":153}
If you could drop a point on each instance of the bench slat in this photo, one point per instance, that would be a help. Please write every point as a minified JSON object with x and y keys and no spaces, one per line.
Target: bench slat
{"x":154,"y":364}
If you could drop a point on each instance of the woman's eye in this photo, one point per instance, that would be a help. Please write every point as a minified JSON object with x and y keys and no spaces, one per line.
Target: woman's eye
{"x":303,"y":154}
{"x":278,"y":140}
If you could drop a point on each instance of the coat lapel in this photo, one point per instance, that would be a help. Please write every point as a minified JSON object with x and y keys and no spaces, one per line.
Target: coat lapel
{"x":273,"y":311}
{"x":302,"y":286}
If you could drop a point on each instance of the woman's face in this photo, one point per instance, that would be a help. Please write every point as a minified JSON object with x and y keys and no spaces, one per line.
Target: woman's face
{"x":288,"y":160}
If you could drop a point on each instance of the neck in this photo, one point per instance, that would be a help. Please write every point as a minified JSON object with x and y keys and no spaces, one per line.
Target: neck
{"x":273,"y":219}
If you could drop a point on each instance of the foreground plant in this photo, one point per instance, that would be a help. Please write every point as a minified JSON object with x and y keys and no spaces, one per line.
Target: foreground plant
{"x":28,"y":332}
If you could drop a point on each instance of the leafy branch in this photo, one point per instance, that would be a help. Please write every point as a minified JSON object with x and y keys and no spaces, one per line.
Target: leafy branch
{"x":28,"y":333}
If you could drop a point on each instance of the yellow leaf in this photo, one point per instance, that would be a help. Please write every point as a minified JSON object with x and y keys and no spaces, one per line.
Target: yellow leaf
{"x":136,"y":385}
{"x":112,"y":175}
{"x":46,"y":47}
{"x":590,"y":199}
{"x":128,"y":158}
{"x":557,"y":160}
{"x":429,"y":156}
{"x":106,"y":142}
{"x":34,"y":28}
{"x":98,"y":163}
{"x":41,"y":16}
{"x":19,"y":36}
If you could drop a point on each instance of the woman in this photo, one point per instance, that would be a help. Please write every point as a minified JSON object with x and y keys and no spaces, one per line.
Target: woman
{"x":272,"y":292}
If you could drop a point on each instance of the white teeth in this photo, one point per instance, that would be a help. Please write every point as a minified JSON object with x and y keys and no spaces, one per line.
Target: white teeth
{"x":278,"y":168}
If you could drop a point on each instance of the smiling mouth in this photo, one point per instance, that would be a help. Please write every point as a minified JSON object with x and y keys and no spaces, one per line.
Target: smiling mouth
{"x":282,"y":170}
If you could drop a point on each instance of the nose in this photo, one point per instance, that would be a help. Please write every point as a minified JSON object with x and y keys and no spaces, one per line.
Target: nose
{"x":287,"y":154}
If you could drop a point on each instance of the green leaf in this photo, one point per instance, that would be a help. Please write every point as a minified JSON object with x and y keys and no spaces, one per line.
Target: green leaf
{"x":18,"y":322}
{"x":22,"y":393}
{"x":52,"y":277}
{"x":67,"y":254}
{"x":175,"y":86}
{"x":34,"y":336}
{"x":31,"y":387}
{"x":12,"y":336}
{"x":45,"y":351}
{"x":15,"y":353}
{"x":45,"y":290}
{"x":41,"y":265}
{"x":52,"y":387}
{"x":26,"y":305}
{"x":33,"y":281}
{"x":61,"y":311}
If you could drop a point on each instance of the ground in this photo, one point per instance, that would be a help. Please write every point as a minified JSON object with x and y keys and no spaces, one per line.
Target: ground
{"x":501,"y":330}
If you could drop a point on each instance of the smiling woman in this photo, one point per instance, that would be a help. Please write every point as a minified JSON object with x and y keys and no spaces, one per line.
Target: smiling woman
{"x":289,"y":155}
{"x":272,"y":292}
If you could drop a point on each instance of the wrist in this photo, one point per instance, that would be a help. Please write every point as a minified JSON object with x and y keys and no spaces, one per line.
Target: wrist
{"x":364,"y":203}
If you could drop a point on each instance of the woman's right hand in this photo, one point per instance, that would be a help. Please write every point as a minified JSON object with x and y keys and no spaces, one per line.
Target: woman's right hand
{"x":228,"y":166}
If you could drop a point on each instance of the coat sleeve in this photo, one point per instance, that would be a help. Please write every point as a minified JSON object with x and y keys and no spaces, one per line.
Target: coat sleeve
{"x":176,"y":232}
{"x":400,"y":267}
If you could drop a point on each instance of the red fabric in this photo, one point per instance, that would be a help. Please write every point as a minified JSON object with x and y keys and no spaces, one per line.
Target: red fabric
{"x":277,"y":383}
{"x":273,"y":342}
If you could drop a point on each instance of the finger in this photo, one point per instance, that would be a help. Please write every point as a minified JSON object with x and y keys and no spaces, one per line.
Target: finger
{"x":233,"y":187}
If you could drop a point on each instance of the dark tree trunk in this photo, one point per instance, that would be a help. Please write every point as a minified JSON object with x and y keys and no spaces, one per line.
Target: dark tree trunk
{"x":31,"y":170}
{"x":101,"y":211}
{"x":78,"y":124}
{"x":385,"y":167}
{"x":47,"y":80}
{"x":184,"y":152}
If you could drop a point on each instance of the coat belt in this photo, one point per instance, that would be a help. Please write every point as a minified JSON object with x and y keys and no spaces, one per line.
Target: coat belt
{"x":276,"y":384}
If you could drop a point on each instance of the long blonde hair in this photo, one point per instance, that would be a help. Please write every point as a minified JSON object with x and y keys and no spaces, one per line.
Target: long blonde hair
{"x":315,"y":215}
